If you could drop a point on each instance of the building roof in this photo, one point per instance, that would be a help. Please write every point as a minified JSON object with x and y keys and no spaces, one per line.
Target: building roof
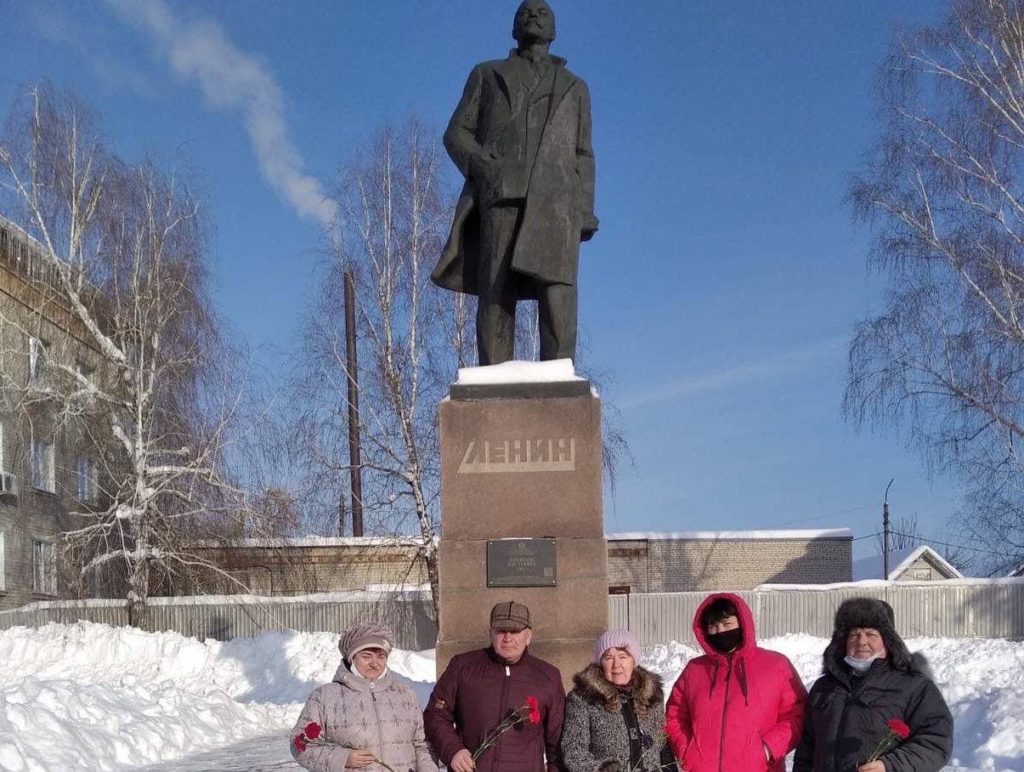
{"x":900,"y":561}
{"x":309,"y":541}
{"x":804,"y":534}
{"x":23,"y":254}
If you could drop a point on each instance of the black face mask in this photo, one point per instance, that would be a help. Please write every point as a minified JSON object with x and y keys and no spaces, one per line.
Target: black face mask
{"x":726,"y":641}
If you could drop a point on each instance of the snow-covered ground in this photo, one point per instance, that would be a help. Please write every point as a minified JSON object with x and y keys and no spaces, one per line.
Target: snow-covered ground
{"x":93,"y":697}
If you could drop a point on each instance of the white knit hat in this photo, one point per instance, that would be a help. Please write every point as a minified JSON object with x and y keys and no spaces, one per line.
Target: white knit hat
{"x":617,"y":639}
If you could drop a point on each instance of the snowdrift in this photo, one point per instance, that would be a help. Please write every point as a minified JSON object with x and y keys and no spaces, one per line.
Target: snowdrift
{"x":89,"y":696}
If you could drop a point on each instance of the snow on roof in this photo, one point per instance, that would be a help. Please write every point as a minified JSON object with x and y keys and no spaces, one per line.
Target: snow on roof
{"x":518,"y":371}
{"x":19,"y":232}
{"x":821,"y":533}
{"x":872,"y":566}
{"x":312,"y":541}
{"x":409,"y":541}
{"x":965,"y":582}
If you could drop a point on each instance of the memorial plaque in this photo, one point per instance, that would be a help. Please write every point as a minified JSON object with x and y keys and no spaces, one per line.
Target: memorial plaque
{"x":521,"y":563}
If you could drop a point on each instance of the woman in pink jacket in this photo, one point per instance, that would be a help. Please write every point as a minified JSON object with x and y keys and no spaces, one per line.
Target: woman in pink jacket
{"x":737,"y":707}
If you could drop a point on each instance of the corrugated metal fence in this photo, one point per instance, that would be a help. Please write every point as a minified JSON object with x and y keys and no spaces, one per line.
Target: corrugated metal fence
{"x":243,"y":616}
{"x":955,"y":609}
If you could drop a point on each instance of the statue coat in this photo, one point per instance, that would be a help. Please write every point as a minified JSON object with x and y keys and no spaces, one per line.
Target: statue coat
{"x":556,"y":190}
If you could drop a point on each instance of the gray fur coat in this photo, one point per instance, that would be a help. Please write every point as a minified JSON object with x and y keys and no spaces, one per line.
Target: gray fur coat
{"x":594,"y":735}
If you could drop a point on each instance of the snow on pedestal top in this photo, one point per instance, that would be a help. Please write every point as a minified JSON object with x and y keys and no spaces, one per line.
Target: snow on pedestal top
{"x":518,"y":371}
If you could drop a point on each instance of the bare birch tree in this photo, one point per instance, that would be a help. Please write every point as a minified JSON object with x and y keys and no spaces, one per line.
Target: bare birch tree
{"x":944,"y":188}
{"x":395,"y":210}
{"x":394,"y":214}
{"x":123,"y":252}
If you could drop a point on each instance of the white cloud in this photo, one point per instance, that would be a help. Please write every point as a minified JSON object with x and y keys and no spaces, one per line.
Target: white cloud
{"x":775,"y":366}
{"x":232,"y":80}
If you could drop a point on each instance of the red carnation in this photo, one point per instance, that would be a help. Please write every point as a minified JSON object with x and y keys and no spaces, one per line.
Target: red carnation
{"x":534,"y":717}
{"x":898,"y":728}
{"x":530,"y":712}
{"x":898,"y":732}
{"x":300,"y":743}
{"x":312,"y":730}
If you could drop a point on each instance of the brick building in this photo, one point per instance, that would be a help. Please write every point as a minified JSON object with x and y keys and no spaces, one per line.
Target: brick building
{"x":45,"y":466}
{"x":658,"y":562}
{"x":305,"y":565}
{"x":727,"y":560}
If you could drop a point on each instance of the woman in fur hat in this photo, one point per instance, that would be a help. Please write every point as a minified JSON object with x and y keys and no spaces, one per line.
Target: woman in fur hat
{"x":365,"y":716}
{"x":870,"y":679}
{"x":615,"y":713}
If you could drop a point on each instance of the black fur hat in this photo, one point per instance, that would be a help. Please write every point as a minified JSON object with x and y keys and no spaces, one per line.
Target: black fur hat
{"x":867,"y":612}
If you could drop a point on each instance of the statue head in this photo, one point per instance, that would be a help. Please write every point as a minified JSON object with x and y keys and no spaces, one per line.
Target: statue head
{"x":534,"y":23}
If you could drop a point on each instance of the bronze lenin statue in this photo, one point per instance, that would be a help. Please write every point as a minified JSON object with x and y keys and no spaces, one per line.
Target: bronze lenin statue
{"x":521,"y":137}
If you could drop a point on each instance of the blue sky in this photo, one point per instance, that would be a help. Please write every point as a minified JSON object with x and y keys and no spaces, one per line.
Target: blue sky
{"x":720,"y":293}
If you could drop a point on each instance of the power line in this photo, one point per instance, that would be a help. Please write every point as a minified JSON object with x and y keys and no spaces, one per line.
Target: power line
{"x":933,"y":541}
{"x":826,"y":515}
{"x":954,"y":546}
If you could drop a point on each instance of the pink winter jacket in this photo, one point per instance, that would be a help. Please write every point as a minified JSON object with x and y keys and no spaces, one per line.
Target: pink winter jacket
{"x":725,"y":709}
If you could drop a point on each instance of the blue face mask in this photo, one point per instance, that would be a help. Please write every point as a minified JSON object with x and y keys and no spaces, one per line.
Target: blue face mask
{"x":860,"y":665}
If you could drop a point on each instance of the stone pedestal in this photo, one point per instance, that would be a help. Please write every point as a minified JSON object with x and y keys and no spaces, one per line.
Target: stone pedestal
{"x":523,"y":461}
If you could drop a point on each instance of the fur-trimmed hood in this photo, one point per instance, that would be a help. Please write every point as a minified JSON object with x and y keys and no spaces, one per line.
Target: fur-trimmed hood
{"x":878,"y":615}
{"x":593,"y":687}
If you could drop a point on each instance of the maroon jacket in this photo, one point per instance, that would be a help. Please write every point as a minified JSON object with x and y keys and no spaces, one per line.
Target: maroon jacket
{"x":472,"y":696}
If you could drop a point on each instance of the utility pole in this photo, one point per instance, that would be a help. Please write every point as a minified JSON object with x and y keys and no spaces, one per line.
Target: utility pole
{"x":355,"y":470}
{"x":885,"y":532}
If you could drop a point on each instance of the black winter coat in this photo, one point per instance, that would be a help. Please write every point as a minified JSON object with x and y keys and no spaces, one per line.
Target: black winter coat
{"x":847,"y":714}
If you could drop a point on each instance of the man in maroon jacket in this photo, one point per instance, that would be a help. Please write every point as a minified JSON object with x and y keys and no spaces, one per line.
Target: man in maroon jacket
{"x":479,"y":688}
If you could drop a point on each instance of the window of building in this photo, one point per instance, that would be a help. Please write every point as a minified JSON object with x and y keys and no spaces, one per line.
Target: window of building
{"x":85,"y":376}
{"x":36,"y":358}
{"x":85,"y":473}
{"x":8,"y":483}
{"x":3,"y":563}
{"x":44,"y":577}
{"x":42,"y":466}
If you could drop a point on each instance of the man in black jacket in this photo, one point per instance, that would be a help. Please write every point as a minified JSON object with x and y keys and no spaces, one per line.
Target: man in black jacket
{"x":871,"y":679}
